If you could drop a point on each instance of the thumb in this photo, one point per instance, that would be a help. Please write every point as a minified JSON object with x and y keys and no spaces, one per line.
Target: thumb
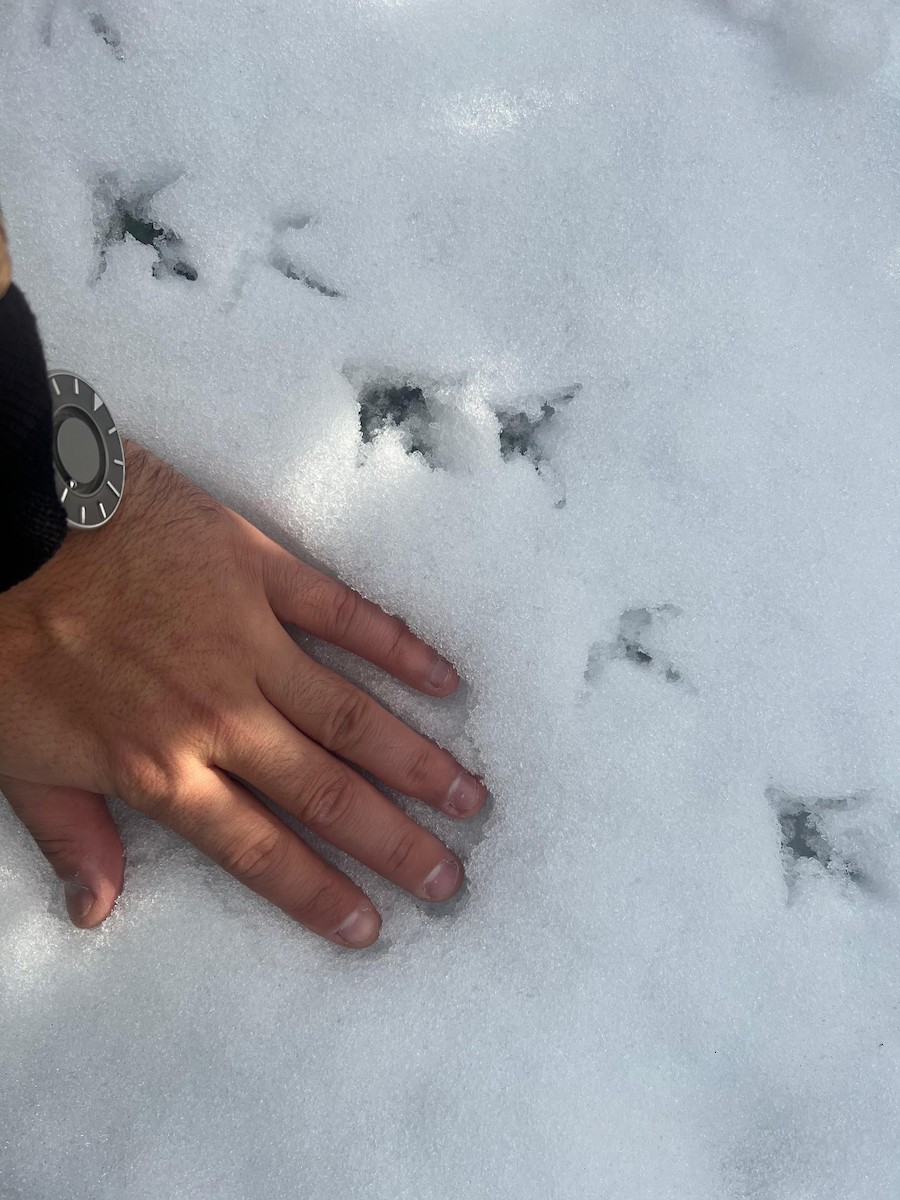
{"x":75,"y":832}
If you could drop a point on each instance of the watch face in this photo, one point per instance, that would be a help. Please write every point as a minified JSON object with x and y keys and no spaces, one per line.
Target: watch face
{"x":88,"y":457}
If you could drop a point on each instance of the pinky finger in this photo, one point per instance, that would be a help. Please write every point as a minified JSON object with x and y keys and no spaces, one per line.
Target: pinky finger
{"x":230,"y":826}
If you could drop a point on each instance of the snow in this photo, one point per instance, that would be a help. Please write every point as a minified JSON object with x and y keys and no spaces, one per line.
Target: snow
{"x":612,"y":292}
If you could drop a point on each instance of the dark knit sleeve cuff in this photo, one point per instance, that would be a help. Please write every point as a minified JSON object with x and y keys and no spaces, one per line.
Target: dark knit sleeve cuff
{"x":33,"y":520}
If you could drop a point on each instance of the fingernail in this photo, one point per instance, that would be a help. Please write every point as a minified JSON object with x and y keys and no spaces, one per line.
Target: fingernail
{"x":361,"y":928}
{"x":464,"y":794}
{"x":440,"y":673}
{"x":79,"y":900}
{"x":443,"y":881}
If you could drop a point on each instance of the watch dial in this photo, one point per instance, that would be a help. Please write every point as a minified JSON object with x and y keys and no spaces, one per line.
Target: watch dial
{"x":88,"y":458}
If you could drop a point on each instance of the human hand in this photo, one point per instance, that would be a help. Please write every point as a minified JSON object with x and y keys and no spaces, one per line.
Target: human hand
{"x":148,"y":660}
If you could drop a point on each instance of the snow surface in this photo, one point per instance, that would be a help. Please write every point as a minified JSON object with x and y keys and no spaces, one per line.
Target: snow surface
{"x":612,"y":289}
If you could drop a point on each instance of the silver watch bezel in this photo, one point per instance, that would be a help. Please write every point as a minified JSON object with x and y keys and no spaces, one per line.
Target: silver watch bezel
{"x":87,"y":505}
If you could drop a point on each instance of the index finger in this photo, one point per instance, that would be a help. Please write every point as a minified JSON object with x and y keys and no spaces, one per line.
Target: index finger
{"x":302,"y":596}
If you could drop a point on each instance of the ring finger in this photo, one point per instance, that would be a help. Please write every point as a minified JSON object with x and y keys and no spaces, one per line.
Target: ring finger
{"x":346,"y":721}
{"x":226,"y":822}
{"x":336,"y":803}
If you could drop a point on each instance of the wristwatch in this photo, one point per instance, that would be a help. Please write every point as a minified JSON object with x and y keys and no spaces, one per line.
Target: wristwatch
{"x":88,"y":458}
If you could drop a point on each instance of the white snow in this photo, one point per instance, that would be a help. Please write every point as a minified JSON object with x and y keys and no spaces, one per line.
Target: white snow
{"x":673,"y":600}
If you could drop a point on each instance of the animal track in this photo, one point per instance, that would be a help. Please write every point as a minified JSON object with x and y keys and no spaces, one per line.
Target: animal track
{"x":108,"y":33}
{"x":823,"y":46}
{"x":812,"y":828}
{"x":403,"y":405}
{"x":103,"y":28}
{"x":633,"y":643}
{"x":634,"y":628}
{"x":524,"y":435}
{"x":122,"y":212}
{"x":432,"y":423}
{"x":288,"y":263}
{"x":291,"y":270}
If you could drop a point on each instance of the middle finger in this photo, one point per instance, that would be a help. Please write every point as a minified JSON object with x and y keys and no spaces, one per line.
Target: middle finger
{"x":336,"y":803}
{"x":343,"y":719}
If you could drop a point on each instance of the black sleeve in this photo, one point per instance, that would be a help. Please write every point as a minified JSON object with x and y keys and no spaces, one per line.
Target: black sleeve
{"x":33,"y":522}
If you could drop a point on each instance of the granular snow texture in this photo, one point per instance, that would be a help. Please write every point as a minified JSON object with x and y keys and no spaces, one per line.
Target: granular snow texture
{"x":568,"y":330}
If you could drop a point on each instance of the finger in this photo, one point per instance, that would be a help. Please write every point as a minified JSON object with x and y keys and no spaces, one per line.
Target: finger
{"x":76,"y":834}
{"x":231,"y":826}
{"x":328,"y":609}
{"x":343,"y":719}
{"x":341,"y":807}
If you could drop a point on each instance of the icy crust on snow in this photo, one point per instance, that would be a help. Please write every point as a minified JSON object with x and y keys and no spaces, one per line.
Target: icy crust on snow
{"x":569,"y":332}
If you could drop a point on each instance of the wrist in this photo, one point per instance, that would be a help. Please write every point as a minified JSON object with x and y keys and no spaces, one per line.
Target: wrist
{"x":5,"y":264}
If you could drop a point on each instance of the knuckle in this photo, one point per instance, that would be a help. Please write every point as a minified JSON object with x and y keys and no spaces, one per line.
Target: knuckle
{"x":149,"y":783}
{"x":348,"y":721}
{"x":345,"y":611}
{"x":398,"y":638}
{"x":324,"y":906}
{"x":255,"y":856}
{"x":329,"y":803}
{"x":401,"y":853}
{"x":58,"y":846}
{"x":226,"y":728}
{"x":421,"y":769}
